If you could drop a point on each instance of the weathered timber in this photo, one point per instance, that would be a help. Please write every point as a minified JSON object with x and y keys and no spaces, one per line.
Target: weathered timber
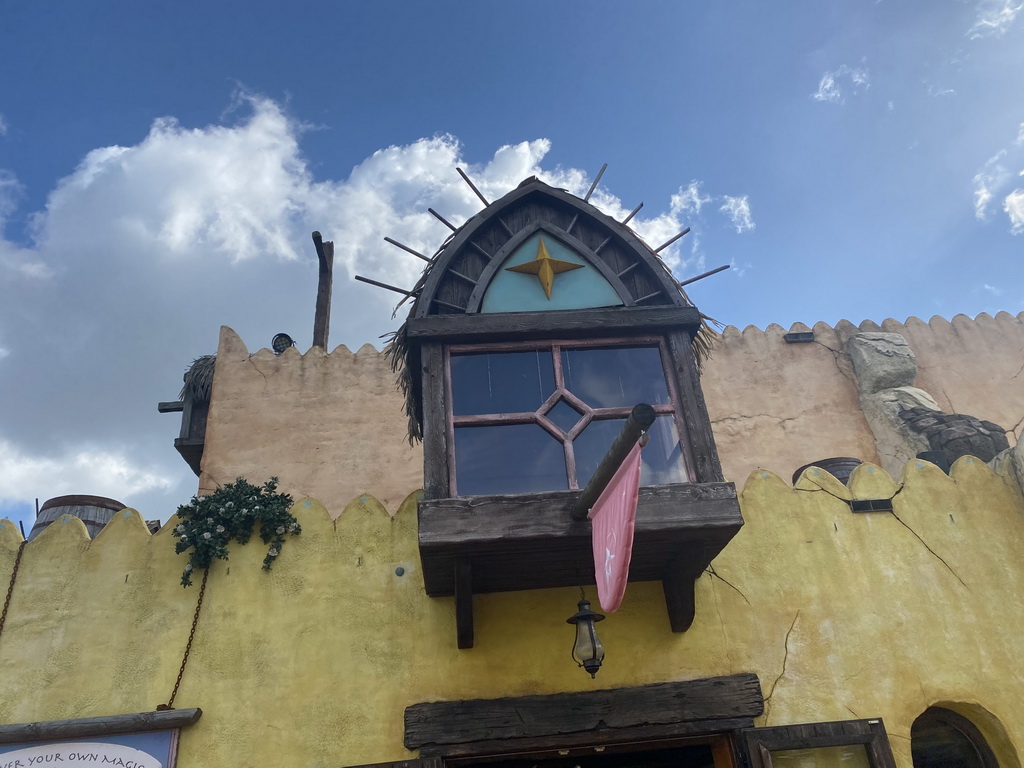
{"x":759,"y":743}
{"x":107,"y":725}
{"x":593,"y":186}
{"x":640,"y":420}
{"x":671,"y":240}
{"x":175,"y":406}
{"x":679,"y":584}
{"x":632,"y":213}
{"x":379,"y":284}
{"x":531,"y":541}
{"x":592,"y":712}
{"x":704,"y":454}
{"x":701,"y":276}
{"x":407,"y":249}
{"x":419,"y":763}
{"x":325,"y":282}
{"x":620,"y":739}
{"x":574,"y":323}
{"x":464,"y":602}
{"x":435,"y":425}
{"x":519,"y":209}
{"x":472,"y":186}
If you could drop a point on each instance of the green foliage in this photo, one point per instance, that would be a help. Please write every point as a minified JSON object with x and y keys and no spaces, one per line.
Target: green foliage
{"x":208,"y":523}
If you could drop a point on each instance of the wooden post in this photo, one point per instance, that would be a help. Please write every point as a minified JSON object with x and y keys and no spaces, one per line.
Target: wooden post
{"x":639,"y":421}
{"x":322,"y":319}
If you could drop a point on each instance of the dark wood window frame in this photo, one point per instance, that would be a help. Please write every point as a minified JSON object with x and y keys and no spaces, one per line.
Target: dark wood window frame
{"x":562,"y":393}
{"x":493,"y":543}
{"x":757,"y":744}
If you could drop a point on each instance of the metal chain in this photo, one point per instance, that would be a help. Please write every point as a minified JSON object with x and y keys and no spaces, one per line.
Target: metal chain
{"x":10,"y":588}
{"x":188,"y":645}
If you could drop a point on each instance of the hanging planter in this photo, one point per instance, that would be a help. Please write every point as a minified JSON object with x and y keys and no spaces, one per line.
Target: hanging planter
{"x":208,"y":523}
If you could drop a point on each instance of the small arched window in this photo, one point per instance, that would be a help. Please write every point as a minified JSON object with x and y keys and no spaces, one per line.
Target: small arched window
{"x":940,"y":738}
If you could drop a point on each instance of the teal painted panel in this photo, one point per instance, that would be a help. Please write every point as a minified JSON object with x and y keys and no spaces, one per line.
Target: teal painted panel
{"x":575,"y":289}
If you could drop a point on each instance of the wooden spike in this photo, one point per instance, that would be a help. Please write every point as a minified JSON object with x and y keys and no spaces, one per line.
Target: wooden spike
{"x":669,"y":242}
{"x":632,"y":213}
{"x":442,"y":219}
{"x":407,"y":249}
{"x":593,"y":186}
{"x":472,"y":186}
{"x":709,"y":273}
{"x":402,"y":291}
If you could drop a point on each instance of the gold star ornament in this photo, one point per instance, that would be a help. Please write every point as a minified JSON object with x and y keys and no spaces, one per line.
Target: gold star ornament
{"x":544,"y":267}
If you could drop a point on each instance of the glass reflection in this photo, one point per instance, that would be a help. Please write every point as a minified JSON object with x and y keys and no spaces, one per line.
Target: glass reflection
{"x":509,"y":458}
{"x":849,"y":756}
{"x":661,"y":459}
{"x":608,"y":377}
{"x":501,"y":382}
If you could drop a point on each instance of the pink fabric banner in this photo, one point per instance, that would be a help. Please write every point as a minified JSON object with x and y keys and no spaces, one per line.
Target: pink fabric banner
{"x":613,"y":518}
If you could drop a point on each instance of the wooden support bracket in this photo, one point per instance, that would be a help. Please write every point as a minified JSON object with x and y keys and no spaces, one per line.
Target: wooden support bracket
{"x":464,"y":602}
{"x":679,"y":585}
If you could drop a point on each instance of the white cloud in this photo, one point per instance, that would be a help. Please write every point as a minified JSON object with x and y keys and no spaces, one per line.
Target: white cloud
{"x":81,"y":470}
{"x":689,"y":200}
{"x":3,"y":125}
{"x":834,"y":85}
{"x":1014,"y":207}
{"x":146,"y":248}
{"x":994,"y":18}
{"x":994,"y":180}
{"x":987,"y":181}
{"x":738,"y":211}
{"x":992,"y":289}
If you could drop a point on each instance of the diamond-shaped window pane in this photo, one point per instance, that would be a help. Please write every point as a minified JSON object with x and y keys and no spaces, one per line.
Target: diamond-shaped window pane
{"x":564,"y":416}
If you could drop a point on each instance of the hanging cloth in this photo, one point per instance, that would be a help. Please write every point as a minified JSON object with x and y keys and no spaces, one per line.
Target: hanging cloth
{"x":613,"y":518}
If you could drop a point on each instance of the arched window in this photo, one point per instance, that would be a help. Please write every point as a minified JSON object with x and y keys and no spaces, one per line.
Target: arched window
{"x":940,"y":738}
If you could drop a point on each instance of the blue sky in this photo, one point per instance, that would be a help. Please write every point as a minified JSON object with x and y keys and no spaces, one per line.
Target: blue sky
{"x":162,"y":166}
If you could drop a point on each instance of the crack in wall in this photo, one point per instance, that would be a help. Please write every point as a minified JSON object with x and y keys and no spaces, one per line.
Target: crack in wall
{"x":836,"y":354}
{"x":932,"y":551}
{"x":711,"y":571}
{"x":785,"y":659}
{"x":1019,"y":370}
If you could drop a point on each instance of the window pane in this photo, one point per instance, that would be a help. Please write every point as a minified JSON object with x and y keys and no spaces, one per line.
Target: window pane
{"x":564,"y":416}
{"x":609,"y":377}
{"x":509,"y":458}
{"x":501,"y":382}
{"x":662,"y":463}
{"x":850,"y":756}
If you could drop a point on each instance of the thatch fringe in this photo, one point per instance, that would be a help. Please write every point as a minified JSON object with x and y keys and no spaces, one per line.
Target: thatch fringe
{"x":199,"y":379}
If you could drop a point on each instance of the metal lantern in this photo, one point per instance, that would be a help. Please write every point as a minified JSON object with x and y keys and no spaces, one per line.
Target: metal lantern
{"x":281,"y":342}
{"x":587,"y":651}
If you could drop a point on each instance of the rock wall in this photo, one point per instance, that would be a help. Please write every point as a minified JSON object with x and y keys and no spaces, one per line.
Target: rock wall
{"x":781,"y":406}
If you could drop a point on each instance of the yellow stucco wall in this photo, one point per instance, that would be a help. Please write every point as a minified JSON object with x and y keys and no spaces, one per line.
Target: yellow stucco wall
{"x":841,"y":615}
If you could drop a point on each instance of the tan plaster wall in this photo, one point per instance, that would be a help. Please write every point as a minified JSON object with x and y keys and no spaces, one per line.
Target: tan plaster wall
{"x":329,"y":426}
{"x":841,"y":615}
{"x":780,"y":406}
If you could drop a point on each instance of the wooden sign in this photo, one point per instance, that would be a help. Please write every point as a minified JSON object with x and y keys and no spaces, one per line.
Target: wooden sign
{"x":153,"y":749}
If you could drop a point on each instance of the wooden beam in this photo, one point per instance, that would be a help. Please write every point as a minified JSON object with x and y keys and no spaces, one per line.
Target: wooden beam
{"x":679,"y":584}
{"x":140,"y":722}
{"x":576,"y":323}
{"x":708,"y":468}
{"x":593,"y":186}
{"x":590,"y":712}
{"x":464,"y":602}
{"x":654,"y":736}
{"x":325,"y":282}
{"x":176,"y":406}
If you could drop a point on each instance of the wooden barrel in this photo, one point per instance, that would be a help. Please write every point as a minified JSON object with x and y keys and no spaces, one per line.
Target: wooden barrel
{"x":94,"y":511}
{"x":840,"y":467}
